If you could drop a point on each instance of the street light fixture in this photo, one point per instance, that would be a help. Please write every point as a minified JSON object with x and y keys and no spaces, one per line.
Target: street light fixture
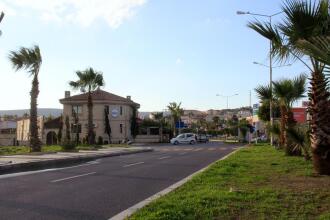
{"x":270,"y":62}
{"x":261,"y":64}
{"x":227,"y":97}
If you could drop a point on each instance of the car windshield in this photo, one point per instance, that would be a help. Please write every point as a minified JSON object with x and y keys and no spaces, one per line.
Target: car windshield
{"x":180,"y":136}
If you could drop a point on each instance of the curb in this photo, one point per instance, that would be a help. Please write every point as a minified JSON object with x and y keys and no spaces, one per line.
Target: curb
{"x":46,"y":164}
{"x":131,"y":210}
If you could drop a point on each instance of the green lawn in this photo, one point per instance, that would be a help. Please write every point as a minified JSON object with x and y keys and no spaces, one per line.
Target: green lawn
{"x":255,"y":183}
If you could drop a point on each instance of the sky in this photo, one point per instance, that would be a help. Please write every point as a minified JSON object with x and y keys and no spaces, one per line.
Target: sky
{"x":157,"y":51}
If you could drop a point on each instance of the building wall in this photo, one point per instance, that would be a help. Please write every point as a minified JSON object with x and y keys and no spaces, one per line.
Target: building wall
{"x":7,"y":139}
{"x":23,"y":130}
{"x":99,"y":120}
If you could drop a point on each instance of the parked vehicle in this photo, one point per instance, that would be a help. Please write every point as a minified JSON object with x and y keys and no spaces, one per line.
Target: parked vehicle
{"x":202,"y":138}
{"x":186,"y":138}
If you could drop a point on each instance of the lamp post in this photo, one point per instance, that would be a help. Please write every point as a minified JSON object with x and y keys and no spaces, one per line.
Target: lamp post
{"x":227,"y":97}
{"x":270,"y":62}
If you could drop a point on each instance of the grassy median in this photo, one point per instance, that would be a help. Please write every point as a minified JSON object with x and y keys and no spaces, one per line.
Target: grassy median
{"x":255,"y":183}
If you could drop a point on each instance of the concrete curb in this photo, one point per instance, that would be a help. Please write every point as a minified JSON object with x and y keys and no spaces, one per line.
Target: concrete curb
{"x":51,"y":163}
{"x":131,"y":210}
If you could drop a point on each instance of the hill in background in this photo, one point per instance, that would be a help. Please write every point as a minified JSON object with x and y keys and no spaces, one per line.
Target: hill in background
{"x":41,"y":111}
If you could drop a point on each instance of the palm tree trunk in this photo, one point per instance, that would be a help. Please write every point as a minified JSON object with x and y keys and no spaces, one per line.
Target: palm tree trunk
{"x":35,"y":143}
{"x":91,"y":136}
{"x":320,"y":123}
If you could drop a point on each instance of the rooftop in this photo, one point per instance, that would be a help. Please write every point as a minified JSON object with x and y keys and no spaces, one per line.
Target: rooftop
{"x":99,"y":95}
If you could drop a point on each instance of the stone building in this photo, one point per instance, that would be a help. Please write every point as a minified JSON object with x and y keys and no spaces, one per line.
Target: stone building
{"x":118,"y":109}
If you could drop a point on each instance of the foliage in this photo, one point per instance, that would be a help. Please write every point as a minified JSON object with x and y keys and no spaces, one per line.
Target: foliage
{"x":176,"y":113}
{"x":30,"y":59}
{"x":257,"y":182}
{"x":301,"y":34}
{"x":67,"y":129}
{"x":107,"y":127}
{"x":299,"y":138}
{"x":60,"y":130}
{"x":100,"y":140}
{"x":89,"y":79}
{"x":134,"y":125}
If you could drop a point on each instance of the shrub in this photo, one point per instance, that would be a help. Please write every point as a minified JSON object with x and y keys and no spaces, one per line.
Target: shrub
{"x":100,"y":140}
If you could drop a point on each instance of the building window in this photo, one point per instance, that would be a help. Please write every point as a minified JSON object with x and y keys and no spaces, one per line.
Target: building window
{"x":121,"y":128}
{"x":76,"y":128}
{"x":121,"y":110}
{"x":76,"y":109}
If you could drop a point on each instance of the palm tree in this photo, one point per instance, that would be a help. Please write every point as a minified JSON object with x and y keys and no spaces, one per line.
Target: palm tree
{"x":305,"y":20}
{"x":286,"y":92}
{"x":89,"y":80}
{"x":176,"y":113}
{"x":30,"y":60}
{"x":159,"y":117}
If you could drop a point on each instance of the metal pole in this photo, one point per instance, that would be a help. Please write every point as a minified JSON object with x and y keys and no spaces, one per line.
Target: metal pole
{"x":227,"y":102}
{"x":271,"y":85}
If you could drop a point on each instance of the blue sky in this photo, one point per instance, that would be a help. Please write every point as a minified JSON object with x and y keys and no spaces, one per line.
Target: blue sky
{"x":157,"y":51}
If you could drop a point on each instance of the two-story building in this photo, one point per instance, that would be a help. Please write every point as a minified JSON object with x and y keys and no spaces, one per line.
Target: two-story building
{"x":118,"y":109}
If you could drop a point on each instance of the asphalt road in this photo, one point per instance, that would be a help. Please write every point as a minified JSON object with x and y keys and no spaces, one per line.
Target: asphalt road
{"x":102,"y":188}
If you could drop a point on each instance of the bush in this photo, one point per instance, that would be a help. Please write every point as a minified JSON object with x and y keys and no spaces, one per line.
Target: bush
{"x":69,"y":146}
{"x":99,"y":140}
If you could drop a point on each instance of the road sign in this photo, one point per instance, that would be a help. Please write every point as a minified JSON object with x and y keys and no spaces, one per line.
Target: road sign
{"x":180,"y":124}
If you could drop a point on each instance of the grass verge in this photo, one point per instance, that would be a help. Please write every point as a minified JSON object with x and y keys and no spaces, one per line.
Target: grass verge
{"x":255,"y":183}
{"x":12,"y":150}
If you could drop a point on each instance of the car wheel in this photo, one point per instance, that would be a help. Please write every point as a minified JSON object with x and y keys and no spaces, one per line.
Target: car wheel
{"x":176,"y":143}
{"x":192,"y":142}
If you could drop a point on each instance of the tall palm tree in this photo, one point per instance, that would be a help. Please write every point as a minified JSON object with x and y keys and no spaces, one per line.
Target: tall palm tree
{"x":305,"y":20}
{"x":286,"y":92}
{"x":176,"y":113}
{"x":30,"y":59}
{"x":89,"y":80}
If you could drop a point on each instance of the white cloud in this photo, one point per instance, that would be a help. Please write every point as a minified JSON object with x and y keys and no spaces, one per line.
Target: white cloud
{"x":82,"y":12}
{"x":179,"y":61}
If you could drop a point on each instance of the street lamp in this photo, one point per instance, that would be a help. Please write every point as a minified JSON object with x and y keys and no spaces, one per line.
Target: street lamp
{"x":1,"y":17}
{"x":274,"y":67}
{"x":270,"y":62}
{"x":227,"y":96}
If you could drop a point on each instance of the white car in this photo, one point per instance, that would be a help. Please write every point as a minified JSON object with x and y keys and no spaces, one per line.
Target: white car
{"x":186,"y":138}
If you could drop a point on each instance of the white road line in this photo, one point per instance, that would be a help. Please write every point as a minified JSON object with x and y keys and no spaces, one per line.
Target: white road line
{"x":72,"y":177}
{"x":162,"y":158}
{"x":11,"y":175}
{"x":133,"y":164}
{"x":183,"y":153}
{"x":198,"y":149}
{"x":211,"y":149}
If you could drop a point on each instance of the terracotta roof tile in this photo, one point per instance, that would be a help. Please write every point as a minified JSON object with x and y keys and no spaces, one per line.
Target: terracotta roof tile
{"x":99,"y":95}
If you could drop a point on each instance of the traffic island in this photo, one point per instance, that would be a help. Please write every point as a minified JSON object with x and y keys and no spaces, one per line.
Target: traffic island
{"x":30,"y":162}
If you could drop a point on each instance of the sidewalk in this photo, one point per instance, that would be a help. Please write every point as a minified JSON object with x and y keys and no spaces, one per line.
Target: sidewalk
{"x":28,"y":162}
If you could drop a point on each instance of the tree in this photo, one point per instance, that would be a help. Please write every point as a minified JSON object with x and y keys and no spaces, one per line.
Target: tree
{"x":67,"y":130}
{"x":30,"y":59}
{"x":134,"y":125}
{"x":176,"y":113}
{"x":89,"y":80}
{"x":304,"y":21}
{"x":286,"y":92}
{"x":107,"y":126}
{"x":59,"y":135}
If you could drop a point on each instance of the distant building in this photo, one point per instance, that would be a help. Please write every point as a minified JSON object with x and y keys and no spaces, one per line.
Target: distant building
{"x":7,"y":133}
{"x":23,"y":130}
{"x":119,"y":110}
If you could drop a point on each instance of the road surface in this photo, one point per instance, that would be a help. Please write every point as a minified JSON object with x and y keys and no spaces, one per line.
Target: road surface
{"x":100,"y":189}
